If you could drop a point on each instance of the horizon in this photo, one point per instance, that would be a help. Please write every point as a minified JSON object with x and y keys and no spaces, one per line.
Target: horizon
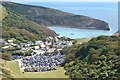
{"x":65,"y":1}
{"x":61,"y":1}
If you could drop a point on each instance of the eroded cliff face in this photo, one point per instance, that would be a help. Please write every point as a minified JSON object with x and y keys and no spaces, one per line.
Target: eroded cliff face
{"x":52,"y":17}
{"x":117,"y":34}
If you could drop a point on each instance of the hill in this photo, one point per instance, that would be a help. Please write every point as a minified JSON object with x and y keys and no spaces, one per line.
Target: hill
{"x":15,"y":25}
{"x":117,"y":34}
{"x":10,"y":69}
{"x":52,"y":17}
{"x":98,"y":58}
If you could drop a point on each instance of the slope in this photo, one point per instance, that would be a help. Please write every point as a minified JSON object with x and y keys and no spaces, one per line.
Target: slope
{"x":98,"y":58}
{"x":19,"y":27}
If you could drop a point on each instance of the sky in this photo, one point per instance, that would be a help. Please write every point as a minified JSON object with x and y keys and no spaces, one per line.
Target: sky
{"x":65,"y":0}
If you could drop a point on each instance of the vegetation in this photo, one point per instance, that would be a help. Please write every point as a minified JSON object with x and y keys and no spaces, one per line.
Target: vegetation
{"x":6,"y":56}
{"x":17,"y":73}
{"x":99,"y":58}
{"x":19,"y":27}
{"x":83,"y":40}
{"x":3,"y":11}
{"x":5,"y":72}
{"x":51,"y":17}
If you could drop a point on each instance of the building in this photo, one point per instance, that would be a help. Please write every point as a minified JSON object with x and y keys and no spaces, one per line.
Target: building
{"x":38,"y":42}
{"x":10,"y":41}
{"x":36,"y":47}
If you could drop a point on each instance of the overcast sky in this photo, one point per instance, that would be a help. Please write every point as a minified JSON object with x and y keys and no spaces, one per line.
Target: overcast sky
{"x":65,"y":0}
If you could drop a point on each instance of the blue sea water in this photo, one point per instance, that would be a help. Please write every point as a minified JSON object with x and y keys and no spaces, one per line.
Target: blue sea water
{"x":106,"y":11}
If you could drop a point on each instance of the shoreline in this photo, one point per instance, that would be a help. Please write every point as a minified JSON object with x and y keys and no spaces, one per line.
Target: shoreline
{"x":86,"y":28}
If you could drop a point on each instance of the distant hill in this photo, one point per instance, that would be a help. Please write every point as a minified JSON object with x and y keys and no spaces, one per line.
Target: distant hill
{"x":15,"y":25}
{"x":52,"y":17}
{"x":117,"y":34}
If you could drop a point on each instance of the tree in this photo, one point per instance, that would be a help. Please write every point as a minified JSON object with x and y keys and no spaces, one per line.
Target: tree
{"x":6,"y":56}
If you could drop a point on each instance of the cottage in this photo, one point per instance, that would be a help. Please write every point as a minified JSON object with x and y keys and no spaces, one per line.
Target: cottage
{"x":10,"y":41}
{"x":59,"y":36}
{"x":3,"y":42}
{"x":69,"y":43}
{"x":42,"y":46}
{"x":36,"y":47}
{"x":38,"y":42}
{"x":48,"y":43}
{"x":23,"y":44}
{"x":5,"y":47}
{"x":14,"y":44}
{"x":30,"y":43}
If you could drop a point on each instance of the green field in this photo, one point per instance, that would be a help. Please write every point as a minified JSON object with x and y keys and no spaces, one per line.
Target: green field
{"x":15,"y":71}
{"x":82,"y":40}
{"x":3,"y":12}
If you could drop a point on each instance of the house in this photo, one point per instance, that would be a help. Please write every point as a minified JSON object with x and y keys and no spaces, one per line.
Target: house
{"x":51,"y":50}
{"x":38,"y":42}
{"x":47,"y":47}
{"x":30,"y":43}
{"x":64,"y":42}
{"x":59,"y":36}
{"x":3,"y":42}
{"x":14,"y":44}
{"x":51,"y":38}
{"x":23,"y":44}
{"x":36,"y":47}
{"x":42,"y":46}
{"x":48,"y":43}
{"x":69,"y":43}
{"x":39,"y":51}
{"x":56,"y":39}
{"x":10,"y":41}
{"x":5,"y":47}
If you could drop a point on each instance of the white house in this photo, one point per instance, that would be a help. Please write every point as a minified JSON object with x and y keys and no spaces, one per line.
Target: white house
{"x":5,"y":47}
{"x":39,"y":51}
{"x":36,"y":47}
{"x":69,"y":43}
{"x":10,"y":41}
{"x":48,"y":43}
{"x":3,"y":42}
{"x":38,"y":42}
{"x":42,"y":45}
{"x":23,"y":44}
{"x":59,"y":36}
{"x":30,"y":43}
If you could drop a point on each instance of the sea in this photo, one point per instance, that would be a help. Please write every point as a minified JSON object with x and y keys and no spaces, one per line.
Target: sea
{"x":106,"y":11}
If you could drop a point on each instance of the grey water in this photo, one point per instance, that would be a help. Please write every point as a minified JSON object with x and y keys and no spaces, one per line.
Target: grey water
{"x":106,"y":11}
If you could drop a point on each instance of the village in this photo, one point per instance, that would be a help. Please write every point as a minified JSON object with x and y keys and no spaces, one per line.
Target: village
{"x":38,"y":56}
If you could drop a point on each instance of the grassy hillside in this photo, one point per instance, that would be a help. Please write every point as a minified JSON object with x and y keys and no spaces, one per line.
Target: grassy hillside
{"x":19,"y":27}
{"x":4,"y":71}
{"x":99,"y":58}
{"x":16,"y":72}
{"x":52,"y":17}
{"x":3,"y":12}
{"x":117,"y":34}
{"x":83,"y":40}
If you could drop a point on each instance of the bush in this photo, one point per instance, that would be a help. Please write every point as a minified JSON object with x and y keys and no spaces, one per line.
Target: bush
{"x":6,"y":56}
